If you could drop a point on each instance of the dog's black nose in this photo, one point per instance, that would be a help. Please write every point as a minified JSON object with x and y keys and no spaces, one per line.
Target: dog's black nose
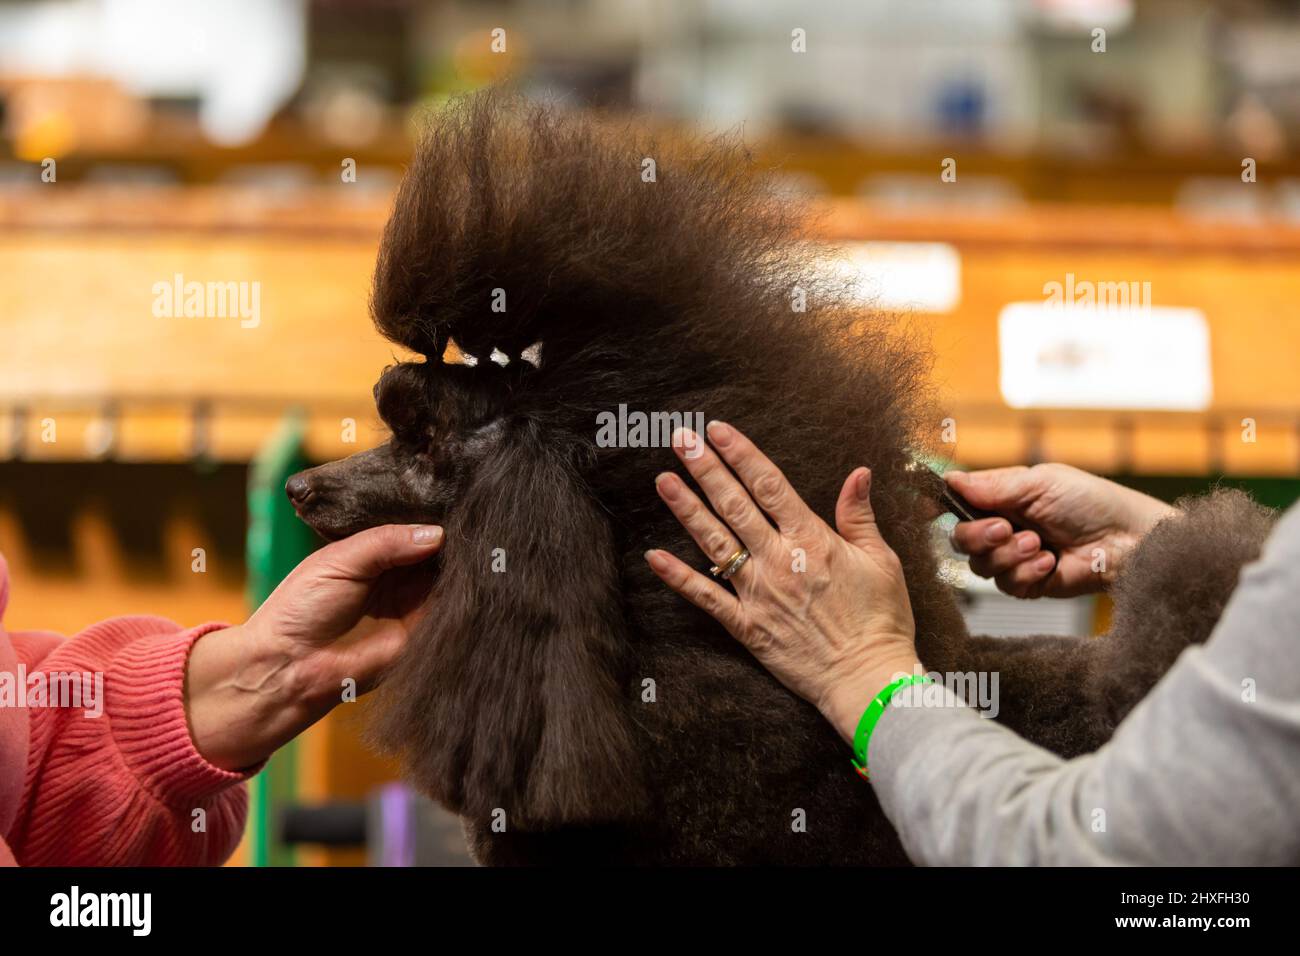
{"x":298,"y":488}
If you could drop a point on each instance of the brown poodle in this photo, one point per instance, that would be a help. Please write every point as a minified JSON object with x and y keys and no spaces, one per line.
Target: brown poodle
{"x":557,"y":696}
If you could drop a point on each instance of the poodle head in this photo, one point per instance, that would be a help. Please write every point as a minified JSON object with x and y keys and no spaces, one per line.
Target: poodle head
{"x":442,"y":427}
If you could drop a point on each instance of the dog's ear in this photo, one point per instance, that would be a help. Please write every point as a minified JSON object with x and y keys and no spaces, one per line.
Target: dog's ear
{"x":514,"y":695}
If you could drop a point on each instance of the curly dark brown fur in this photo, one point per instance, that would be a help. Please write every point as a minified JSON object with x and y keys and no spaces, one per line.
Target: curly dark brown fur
{"x":525,"y":696}
{"x":1176,"y":586}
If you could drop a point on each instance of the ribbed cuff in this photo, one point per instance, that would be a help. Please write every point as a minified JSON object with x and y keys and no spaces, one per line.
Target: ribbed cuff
{"x":145,"y":703}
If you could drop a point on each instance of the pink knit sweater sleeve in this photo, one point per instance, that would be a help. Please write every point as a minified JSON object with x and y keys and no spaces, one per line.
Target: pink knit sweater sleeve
{"x":126,"y":787}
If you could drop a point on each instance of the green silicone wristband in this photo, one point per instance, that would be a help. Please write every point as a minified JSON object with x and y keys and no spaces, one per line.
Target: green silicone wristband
{"x":875,"y":710}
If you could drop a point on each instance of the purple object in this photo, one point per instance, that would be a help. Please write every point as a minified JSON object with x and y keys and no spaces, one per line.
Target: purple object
{"x":396,"y":843}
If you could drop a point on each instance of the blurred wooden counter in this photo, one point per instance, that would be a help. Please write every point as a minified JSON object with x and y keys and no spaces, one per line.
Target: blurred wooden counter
{"x":79,"y":264}
{"x":1244,"y":277}
{"x":78,"y":271}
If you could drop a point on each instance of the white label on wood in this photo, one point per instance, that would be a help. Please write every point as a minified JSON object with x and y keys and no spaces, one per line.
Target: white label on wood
{"x":1083,"y":356}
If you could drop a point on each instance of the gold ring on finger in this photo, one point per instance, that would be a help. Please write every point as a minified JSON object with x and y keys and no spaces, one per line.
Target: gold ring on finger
{"x":730,"y":566}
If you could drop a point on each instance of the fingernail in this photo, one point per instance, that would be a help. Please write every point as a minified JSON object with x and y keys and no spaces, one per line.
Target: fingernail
{"x":1044,"y":563}
{"x":1026,"y":544}
{"x":997,"y":532}
{"x":685,"y":440}
{"x":864,"y":484}
{"x":720,"y":433}
{"x":426,"y":533}
{"x":668,"y":484}
{"x":656,"y":560}
{"x":954,"y":473}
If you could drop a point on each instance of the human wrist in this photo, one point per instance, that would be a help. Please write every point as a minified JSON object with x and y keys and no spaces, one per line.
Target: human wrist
{"x":845,"y":701}
{"x":243,"y":697}
{"x":1143,"y":513}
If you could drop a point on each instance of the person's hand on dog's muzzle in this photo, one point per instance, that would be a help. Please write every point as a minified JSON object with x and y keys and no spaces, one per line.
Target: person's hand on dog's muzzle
{"x":828,"y":614}
{"x":326,"y":633}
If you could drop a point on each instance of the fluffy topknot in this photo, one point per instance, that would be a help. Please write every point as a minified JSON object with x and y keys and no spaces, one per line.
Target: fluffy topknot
{"x":559,"y":211}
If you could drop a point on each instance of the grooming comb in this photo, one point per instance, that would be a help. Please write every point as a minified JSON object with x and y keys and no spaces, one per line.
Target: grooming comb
{"x":955,"y":504}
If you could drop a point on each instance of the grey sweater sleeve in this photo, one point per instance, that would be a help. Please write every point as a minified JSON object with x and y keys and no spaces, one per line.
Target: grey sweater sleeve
{"x":1205,"y":770}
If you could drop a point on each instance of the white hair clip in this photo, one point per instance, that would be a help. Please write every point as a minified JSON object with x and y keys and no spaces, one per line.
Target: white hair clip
{"x":453,"y":355}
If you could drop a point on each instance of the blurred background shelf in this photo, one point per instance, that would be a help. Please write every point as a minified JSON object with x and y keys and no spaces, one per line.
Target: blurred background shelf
{"x":91,"y":373}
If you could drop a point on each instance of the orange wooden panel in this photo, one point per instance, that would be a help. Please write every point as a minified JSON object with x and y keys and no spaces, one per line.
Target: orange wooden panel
{"x":154,"y":433}
{"x":988,"y":445}
{"x":238,"y":435}
{"x":1274,"y":450}
{"x":1171,"y":449}
{"x":1095,"y":447}
{"x":56,"y":432}
{"x":93,"y":331}
{"x":100,"y":581}
{"x":90,"y":331}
